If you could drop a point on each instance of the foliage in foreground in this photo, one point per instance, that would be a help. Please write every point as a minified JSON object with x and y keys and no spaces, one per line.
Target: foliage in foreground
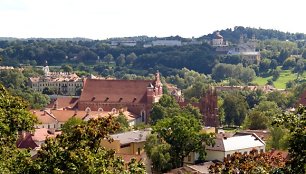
{"x":296,"y":124}
{"x":253,"y":163}
{"x":13,"y":118}
{"x":76,"y":151}
{"x":176,"y":135}
{"x":80,"y":151}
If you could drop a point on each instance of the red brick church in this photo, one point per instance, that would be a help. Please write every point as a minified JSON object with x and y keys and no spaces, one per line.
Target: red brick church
{"x":136,"y":96}
{"x":208,"y":106}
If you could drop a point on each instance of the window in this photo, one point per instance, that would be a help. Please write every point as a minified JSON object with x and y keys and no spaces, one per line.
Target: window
{"x":143,"y":114}
{"x":125,"y":145}
{"x":189,"y":157}
{"x":228,"y":155}
{"x":138,"y":151}
{"x":48,"y":126}
{"x":245,"y":153}
{"x":87,"y":109}
{"x":261,"y":151}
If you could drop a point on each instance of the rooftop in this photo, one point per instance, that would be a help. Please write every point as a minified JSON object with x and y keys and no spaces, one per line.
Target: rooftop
{"x":131,"y":136}
{"x":115,"y":91}
{"x":237,"y":143}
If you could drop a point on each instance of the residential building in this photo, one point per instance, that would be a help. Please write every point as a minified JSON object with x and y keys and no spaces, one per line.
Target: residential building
{"x":130,"y":143}
{"x":33,"y":141}
{"x":54,"y":119}
{"x":137,"y":96}
{"x":175,"y":92}
{"x":202,"y":168}
{"x":60,"y":82}
{"x":226,"y":146}
{"x":166,"y":43}
{"x":6,"y":68}
{"x":128,"y":43}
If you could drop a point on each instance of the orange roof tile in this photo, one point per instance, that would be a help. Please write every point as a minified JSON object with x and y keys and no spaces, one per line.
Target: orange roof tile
{"x":65,"y":115}
{"x":43,"y":117}
{"x":64,"y":102}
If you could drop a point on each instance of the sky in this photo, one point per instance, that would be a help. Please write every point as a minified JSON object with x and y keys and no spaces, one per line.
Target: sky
{"x":102,"y":19}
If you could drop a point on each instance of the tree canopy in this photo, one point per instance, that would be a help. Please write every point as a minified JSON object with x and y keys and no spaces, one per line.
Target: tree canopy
{"x":79,"y":151}
{"x":296,"y":124}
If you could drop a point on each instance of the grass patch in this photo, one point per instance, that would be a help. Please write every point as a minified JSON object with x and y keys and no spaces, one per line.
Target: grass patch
{"x":261,"y":81}
{"x":280,"y":83}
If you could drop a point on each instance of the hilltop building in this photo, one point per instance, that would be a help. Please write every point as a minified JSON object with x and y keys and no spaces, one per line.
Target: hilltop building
{"x":218,"y":40}
{"x":247,"y":51}
{"x":127,"y":43}
{"x":167,"y":43}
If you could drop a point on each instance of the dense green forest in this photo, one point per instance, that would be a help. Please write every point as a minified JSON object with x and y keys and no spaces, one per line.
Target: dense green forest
{"x":279,"y":51}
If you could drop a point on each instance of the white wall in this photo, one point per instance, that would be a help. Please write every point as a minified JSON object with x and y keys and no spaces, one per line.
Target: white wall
{"x":214,"y":155}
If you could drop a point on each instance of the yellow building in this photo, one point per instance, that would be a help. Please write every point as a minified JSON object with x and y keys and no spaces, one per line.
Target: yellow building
{"x":130,"y":143}
{"x":63,"y":83}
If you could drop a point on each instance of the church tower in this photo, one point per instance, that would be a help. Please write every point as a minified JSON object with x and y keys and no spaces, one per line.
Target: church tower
{"x":209,"y":108}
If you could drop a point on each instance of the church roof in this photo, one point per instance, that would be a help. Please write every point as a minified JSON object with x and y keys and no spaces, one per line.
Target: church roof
{"x":115,"y":91}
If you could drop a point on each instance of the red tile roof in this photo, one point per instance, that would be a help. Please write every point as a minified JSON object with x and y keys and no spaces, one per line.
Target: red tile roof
{"x":26,"y":142}
{"x":30,"y":140}
{"x":42,"y":134}
{"x":113,"y":90}
{"x":65,"y":115}
{"x":63,"y":102}
{"x":44,"y":117}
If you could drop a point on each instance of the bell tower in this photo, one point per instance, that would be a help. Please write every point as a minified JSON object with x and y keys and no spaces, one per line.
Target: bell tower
{"x":158,"y":85}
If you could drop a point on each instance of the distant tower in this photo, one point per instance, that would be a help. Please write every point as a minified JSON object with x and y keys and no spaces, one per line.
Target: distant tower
{"x":241,"y":39}
{"x":46,"y":69}
{"x":253,"y":37}
{"x":217,"y":40}
{"x":253,"y":43}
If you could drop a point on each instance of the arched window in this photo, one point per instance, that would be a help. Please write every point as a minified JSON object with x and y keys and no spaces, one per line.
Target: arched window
{"x":114,"y":110}
{"x":87,"y":110}
{"x":100,"y":110}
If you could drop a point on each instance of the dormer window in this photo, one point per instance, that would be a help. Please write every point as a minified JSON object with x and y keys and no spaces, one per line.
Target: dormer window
{"x":120,"y":99}
{"x":93,"y":98}
{"x":134,"y":99}
{"x":106,"y":99}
